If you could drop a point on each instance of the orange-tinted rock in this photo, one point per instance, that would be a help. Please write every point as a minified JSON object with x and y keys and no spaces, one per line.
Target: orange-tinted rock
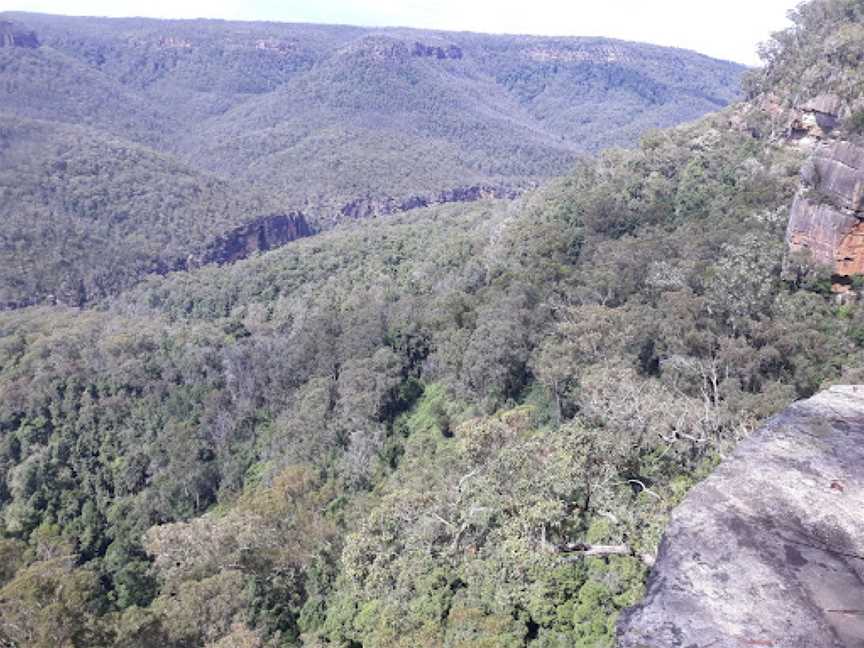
{"x":850,"y":253}
{"x":819,"y":229}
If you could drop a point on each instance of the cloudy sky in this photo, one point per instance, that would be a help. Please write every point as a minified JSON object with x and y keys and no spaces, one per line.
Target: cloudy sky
{"x":730,"y":29}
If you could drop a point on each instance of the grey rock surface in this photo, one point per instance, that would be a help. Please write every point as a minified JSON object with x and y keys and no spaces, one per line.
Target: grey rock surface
{"x":828,"y":104}
{"x":837,"y":170}
{"x":769,"y":550}
{"x":820,"y":229}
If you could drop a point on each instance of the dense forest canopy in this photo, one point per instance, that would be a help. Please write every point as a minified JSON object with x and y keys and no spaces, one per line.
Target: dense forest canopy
{"x":390,"y":433}
{"x":130,"y":145}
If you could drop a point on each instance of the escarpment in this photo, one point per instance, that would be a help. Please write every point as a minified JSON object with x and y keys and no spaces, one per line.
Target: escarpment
{"x":827,"y":217}
{"x":769,"y":550}
{"x":260,"y":235}
{"x":437,"y":51}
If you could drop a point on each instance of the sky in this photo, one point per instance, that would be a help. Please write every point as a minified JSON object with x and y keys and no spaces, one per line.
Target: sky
{"x":729,"y":29}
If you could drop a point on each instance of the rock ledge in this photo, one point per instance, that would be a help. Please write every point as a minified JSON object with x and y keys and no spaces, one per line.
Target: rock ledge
{"x":769,"y":550}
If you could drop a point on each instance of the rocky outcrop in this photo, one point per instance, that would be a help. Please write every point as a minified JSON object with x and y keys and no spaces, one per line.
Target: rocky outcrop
{"x":850,"y":253}
{"x":371,"y":207}
{"x":815,"y":119}
{"x":836,"y":171}
{"x":279,"y":46}
{"x":13,"y":36}
{"x":819,"y":229}
{"x":436,"y":51}
{"x":605,"y":53}
{"x":769,"y":550}
{"x":826,"y":217}
{"x":260,"y":235}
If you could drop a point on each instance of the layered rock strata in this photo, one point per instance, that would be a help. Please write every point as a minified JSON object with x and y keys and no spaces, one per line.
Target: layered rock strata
{"x":827,"y":217}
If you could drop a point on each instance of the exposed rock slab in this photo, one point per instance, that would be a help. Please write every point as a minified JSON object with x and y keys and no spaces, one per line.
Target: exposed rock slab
{"x":828,"y":104}
{"x":850,"y":254}
{"x":837,"y":170}
{"x":826,"y":217}
{"x":769,"y":550}
{"x":820,"y":229}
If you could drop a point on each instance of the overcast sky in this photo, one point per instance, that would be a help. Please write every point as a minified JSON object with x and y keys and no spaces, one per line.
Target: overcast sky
{"x":730,"y":29}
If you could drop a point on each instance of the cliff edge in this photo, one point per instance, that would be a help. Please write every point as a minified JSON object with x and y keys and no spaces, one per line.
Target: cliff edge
{"x":769,"y":550}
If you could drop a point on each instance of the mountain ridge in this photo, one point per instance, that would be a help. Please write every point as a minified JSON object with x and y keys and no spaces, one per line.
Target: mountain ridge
{"x":335,"y":123}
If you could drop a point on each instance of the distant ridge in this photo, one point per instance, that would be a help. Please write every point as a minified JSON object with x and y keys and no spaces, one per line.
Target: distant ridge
{"x":334,"y":122}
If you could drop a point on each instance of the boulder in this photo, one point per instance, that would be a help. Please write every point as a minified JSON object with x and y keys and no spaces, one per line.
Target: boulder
{"x":769,"y":550}
{"x":814,"y":120}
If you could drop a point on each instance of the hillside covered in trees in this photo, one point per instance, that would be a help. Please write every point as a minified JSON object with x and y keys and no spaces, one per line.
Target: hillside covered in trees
{"x":130,"y":145}
{"x":414,"y":430}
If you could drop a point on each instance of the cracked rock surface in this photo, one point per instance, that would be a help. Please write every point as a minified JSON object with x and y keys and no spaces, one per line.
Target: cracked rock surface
{"x":769,"y":550}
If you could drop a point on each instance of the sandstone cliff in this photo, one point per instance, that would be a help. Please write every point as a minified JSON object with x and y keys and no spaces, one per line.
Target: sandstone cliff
{"x":827,"y":216}
{"x":769,"y":550}
{"x":260,"y":235}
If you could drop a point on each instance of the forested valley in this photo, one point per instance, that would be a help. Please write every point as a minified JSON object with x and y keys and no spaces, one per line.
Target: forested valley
{"x":404,"y":430}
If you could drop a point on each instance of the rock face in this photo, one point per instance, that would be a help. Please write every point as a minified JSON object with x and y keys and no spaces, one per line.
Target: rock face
{"x":850,"y":254}
{"x":837,"y":171}
{"x":820,"y":229}
{"x":12,"y":36}
{"x":260,"y":235}
{"x":436,"y":51}
{"x":816,"y":119}
{"x":829,"y":223}
{"x":769,"y":550}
